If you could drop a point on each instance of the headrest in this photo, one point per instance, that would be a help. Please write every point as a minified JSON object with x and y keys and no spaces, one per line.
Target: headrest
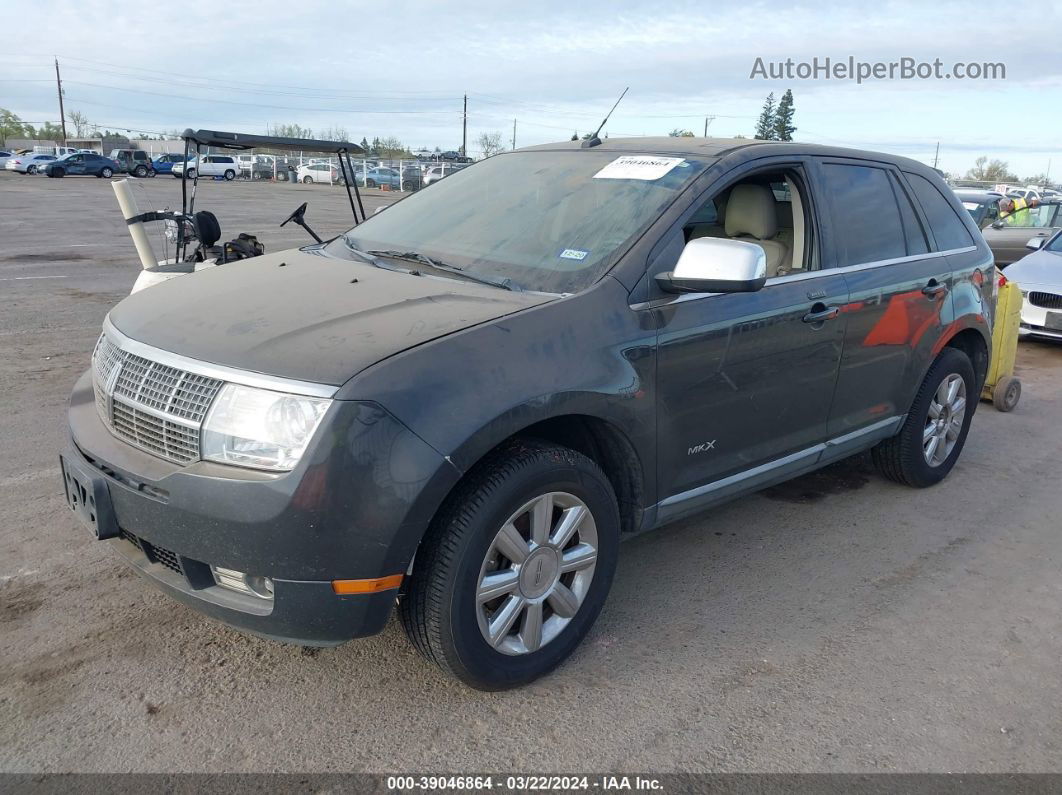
{"x":750,"y":211}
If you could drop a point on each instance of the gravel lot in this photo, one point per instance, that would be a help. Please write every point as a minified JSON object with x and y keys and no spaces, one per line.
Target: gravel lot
{"x":836,"y":623}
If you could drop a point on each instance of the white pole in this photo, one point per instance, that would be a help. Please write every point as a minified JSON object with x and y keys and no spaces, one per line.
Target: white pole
{"x":129,"y":210}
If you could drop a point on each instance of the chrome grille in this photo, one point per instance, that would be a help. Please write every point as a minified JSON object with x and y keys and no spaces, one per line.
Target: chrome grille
{"x":154,"y":406}
{"x":1046,"y":300}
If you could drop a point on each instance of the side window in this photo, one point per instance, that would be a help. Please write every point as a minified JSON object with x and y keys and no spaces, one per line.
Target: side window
{"x":948,"y":229}
{"x":866,"y":217}
{"x":913,"y":232}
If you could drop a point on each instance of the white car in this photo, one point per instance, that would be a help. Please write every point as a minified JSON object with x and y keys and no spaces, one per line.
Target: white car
{"x":318,"y":172}
{"x":27,"y":164}
{"x":1024,"y":193}
{"x":1039,"y":275}
{"x":4,"y":157}
{"x":209,"y":166}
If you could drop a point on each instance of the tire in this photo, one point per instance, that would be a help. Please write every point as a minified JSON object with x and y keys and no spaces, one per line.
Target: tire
{"x":440,"y":609}
{"x":31,"y":169}
{"x":230,"y":175}
{"x":152,"y":173}
{"x":1006,"y":393}
{"x":307,"y":180}
{"x":58,"y":173}
{"x":140,"y":172}
{"x":256,"y":176}
{"x":903,"y":458}
{"x":370,"y":183}
{"x":106,"y":173}
{"x":191,"y":173}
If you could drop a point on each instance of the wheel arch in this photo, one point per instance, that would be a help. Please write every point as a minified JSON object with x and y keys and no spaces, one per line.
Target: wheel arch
{"x":975,"y":344}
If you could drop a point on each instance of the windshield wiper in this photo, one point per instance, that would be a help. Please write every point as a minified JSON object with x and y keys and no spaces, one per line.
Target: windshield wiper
{"x":431,"y":262}
{"x":369,"y":257}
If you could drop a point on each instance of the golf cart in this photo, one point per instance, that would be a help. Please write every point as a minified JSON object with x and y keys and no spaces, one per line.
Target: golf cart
{"x":196,"y":235}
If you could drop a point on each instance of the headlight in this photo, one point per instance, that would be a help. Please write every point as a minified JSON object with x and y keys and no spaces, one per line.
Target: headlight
{"x":259,"y":428}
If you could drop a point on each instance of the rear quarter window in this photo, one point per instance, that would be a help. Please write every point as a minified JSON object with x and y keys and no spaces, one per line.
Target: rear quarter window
{"x":948,"y":229}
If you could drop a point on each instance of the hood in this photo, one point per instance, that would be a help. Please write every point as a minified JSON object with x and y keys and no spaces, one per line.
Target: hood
{"x":1040,"y":267}
{"x":306,"y":316}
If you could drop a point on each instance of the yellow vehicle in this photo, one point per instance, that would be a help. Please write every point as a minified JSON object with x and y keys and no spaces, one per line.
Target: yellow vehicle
{"x":1002,"y":387}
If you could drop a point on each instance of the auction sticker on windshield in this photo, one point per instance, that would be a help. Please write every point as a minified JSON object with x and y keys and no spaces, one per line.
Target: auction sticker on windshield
{"x":642,"y":167}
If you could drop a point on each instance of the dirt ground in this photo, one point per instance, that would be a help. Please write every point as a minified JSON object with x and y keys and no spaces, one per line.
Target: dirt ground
{"x":834,"y":623}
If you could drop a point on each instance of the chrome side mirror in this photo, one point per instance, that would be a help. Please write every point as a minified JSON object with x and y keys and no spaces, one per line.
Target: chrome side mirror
{"x":716,"y":265}
{"x":1035,"y":243}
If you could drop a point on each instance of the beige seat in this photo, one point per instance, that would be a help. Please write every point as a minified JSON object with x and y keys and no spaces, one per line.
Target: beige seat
{"x":751,"y":216}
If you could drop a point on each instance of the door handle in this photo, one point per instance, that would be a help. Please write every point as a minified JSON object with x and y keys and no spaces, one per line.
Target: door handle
{"x":820,"y":312}
{"x":933,"y":289}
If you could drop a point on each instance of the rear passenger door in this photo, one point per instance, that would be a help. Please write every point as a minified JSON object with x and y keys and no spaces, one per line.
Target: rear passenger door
{"x":899,"y":284}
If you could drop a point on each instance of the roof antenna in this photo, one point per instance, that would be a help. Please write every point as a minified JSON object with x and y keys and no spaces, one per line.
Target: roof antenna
{"x":593,"y":140}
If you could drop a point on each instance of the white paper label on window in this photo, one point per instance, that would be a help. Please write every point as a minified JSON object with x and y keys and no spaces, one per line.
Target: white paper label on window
{"x":643,"y":167}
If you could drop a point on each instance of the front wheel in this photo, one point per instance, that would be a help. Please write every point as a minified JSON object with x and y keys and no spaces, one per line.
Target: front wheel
{"x":515,"y":568}
{"x":191,"y":173}
{"x":230,"y":175}
{"x":932,"y":437}
{"x":107,"y":173}
{"x":370,"y":183}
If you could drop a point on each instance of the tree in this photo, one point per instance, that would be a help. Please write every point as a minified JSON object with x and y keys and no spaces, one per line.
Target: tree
{"x":490,"y":143}
{"x":1038,"y":179}
{"x":389,"y":147}
{"x":783,"y":118}
{"x":678,"y":133}
{"x":765,"y":125}
{"x":289,"y":131}
{"x":11,"y":126}
{"x":80,"y":122}
{"x":575,"y":135}
{"x":335,"y":134}
{"x":364,"y":144}
{"x":48,"y":132}
{"x":986,"y":170}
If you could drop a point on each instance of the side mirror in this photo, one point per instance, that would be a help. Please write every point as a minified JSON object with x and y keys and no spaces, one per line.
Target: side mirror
{"x":716,"y":265}
{"x":997,"y":224}
{"x":1035,"y":243}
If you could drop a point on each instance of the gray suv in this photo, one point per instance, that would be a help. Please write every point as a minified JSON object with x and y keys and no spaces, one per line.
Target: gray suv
{"x":464,"y":403}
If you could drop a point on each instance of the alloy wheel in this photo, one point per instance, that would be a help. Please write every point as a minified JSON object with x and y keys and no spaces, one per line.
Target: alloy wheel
{"x":536,"y":573}
{"x":947,"y":410}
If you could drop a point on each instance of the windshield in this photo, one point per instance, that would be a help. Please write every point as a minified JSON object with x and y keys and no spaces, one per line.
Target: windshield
{"x":1054,"y":245}
{"x":549,"y":221}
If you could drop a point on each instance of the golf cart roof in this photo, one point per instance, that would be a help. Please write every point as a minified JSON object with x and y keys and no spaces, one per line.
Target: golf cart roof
{"x":231,"y":140}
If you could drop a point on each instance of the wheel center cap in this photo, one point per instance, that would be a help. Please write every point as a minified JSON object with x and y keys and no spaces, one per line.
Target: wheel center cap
{"x":539,"y":572}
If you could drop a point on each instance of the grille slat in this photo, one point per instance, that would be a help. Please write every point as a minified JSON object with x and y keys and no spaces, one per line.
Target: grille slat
{"x":154,"y":406}
{"x":1046,"y":300}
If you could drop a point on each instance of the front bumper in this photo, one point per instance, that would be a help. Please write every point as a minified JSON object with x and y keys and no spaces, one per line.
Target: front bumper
{"x":341,"y":514}
{"x":1034,"y":319}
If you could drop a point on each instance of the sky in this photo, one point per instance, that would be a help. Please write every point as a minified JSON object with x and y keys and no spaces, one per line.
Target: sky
{"x":555,"y":67}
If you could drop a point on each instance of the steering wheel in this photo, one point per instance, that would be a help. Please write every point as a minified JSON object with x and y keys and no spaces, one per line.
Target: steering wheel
{"x":296,"y":216}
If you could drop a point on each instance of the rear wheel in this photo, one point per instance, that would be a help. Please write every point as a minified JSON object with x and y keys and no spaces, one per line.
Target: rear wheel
{"x":140,"y":171}
{"x":932,"y":437}
{"x":31,"y":169}
{"x":515,"y":568}
{"x":369,"y":183}
{"x":106,"y":173}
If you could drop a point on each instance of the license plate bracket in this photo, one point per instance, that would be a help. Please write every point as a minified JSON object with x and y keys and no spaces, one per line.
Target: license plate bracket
{"x":89,"y":497}
{"x":1053,"y":321}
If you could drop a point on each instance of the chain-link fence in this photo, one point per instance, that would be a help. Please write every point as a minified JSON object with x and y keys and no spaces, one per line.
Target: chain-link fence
{"x":367,"y":172}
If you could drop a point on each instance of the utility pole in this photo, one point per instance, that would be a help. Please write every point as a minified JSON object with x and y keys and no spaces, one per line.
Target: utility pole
{"x":464,"y":129}
{"x":514,"y":135}
{"x":707,"y":120}
{"x":59,"y":86}
{"x":936,"y":155}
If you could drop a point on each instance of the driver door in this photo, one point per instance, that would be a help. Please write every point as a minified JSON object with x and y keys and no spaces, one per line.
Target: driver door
{"x":745,"y":380}
{"x":75,"y":165}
